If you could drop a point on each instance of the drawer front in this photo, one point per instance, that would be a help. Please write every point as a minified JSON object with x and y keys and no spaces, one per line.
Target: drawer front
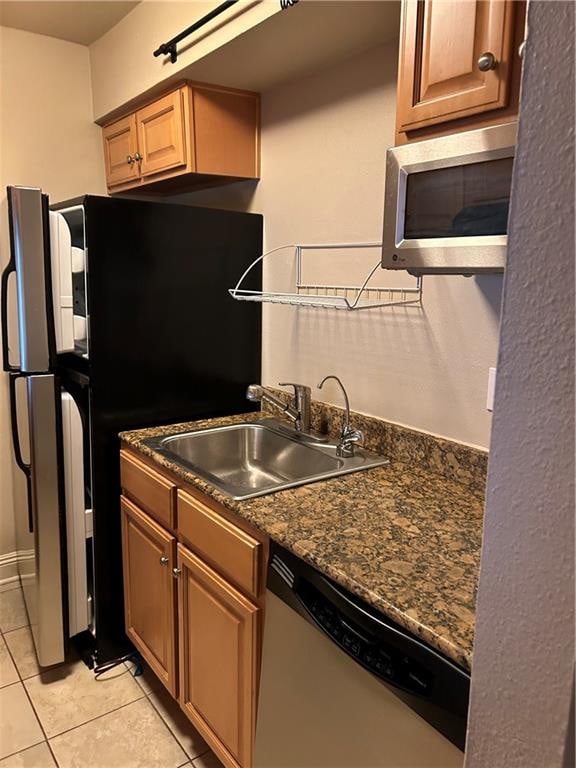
{"x":224,"y":546}
{"x":150,"y":489}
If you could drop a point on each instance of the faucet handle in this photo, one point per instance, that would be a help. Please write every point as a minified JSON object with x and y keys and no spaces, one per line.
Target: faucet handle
{"x":297,"y":387}
{"x":345,"y":448}
{"x":353,"y":436}
{"x":254,"y":393}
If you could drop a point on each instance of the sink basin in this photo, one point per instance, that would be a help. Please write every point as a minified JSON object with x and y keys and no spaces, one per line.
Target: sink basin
{"x":253,"y":459}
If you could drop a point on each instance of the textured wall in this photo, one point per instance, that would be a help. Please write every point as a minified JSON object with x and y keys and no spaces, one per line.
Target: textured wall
{"x":47,"y":139}
{"x":524,"y":652}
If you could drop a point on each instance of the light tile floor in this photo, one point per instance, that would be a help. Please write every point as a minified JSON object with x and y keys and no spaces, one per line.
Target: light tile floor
{"x":65,"y":717}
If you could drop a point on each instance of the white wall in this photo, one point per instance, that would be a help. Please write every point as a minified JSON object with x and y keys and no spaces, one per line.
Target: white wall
{"x":47,"y":139}
{"x":324,"y":140}
{"x":122,"y":63}
{"x":523,"y":671}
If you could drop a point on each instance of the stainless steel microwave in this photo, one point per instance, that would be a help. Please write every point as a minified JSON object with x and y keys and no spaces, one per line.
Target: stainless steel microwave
{"x":446,"y":203}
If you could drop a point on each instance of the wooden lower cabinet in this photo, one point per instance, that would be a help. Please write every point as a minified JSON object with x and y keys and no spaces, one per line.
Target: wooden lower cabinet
{"x":148,"y":553}
{"x":218,"y":639}
{"x":193,"y":600}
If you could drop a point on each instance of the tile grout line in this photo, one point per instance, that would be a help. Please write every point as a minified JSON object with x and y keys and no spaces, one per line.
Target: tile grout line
{"x":12,"y":655}
{"x":46,"y":738}
{"x":116,"y":709}
{"x":19,"y":752}
{"x":2,"y":639}
{"x":46,"y":741}
{"x":190,"y":759}
{"x":21,"y":679}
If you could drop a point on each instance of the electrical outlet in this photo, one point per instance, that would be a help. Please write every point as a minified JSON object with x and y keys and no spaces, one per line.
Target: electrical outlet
{"x":491,"y":386}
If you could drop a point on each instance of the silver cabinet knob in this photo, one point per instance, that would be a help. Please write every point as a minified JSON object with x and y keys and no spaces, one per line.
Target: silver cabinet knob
{"x":138,"y":157}
{"x":163,"y":560}
{"x":176,"y":571}
{"x":487,"y":61}
{"x":129,"y":159}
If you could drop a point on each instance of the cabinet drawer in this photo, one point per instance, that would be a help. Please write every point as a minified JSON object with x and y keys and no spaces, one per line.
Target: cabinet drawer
{"x":224,"y":546}
{"x":150,"y":489}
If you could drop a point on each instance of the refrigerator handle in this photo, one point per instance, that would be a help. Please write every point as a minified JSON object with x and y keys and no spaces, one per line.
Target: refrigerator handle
{"x":10,"y":267}
{"x":13,"y":377}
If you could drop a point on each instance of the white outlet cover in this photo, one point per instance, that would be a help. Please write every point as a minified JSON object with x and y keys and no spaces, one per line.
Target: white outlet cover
{"x":491,"y":387}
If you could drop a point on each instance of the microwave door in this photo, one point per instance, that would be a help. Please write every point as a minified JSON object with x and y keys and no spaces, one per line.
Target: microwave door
{"x":39,"y":525}
{"x":29,"y":261}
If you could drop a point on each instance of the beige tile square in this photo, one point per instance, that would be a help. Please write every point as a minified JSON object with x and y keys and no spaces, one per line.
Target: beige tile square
{"x":181,"y":727}
{"x":21,"y":646}
{"x":8,"y":673}
{"x":33,"y":757}
{"x":132,"y":737}
{"x":147,"y":680}
{"x":209,"y":760}
{"x":19,"y":727}
{"x":70,"y":695}
{"x":12,"y":610}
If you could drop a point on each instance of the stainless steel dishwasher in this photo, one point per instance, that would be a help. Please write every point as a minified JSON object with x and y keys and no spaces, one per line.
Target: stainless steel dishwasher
{"x":342,"y":686}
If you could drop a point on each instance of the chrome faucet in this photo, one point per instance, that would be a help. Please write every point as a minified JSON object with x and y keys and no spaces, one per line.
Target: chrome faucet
{"x":298,"y":410}
{"x":348,"y":436}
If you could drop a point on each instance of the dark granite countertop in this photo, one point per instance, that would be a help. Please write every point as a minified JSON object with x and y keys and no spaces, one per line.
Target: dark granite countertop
{"x":404,"y":537}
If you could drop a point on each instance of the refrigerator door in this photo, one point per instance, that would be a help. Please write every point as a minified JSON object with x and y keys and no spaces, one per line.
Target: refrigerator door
{"x":30,"y":261}
{"x":39,"y":528}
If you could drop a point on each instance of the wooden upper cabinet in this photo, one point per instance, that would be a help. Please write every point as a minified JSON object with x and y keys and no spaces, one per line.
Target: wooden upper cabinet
{"x":161,"y":134}
{"x":456,"y":59}
{"x":195,"y":134}
{"x":226,"y":142}
{"x":148,"y":553}
{"x":218,"y":659}
{"x":120,"y":147}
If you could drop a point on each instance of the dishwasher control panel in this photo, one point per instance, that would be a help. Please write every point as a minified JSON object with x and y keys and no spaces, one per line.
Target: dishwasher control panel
{"x":380,"y":659}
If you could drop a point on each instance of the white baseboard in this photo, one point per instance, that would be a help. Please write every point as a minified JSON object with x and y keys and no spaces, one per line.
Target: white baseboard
{"x":9,"y":568}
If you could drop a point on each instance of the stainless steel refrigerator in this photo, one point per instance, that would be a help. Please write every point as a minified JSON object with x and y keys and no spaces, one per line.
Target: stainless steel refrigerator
{"x":122,"y":320}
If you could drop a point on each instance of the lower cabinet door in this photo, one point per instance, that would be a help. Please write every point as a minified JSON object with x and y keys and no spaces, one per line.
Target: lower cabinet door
{"x":148,"y":553}
{"x":218,"y":652}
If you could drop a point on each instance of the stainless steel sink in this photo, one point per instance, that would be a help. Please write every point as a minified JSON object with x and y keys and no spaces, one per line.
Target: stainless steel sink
{"x":253,"y":459}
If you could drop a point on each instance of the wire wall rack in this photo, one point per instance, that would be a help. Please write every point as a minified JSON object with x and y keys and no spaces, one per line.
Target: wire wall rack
{"x":327,"y":296}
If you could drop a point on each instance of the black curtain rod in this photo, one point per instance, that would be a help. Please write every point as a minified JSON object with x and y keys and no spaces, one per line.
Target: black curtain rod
{"x":170,"y":46}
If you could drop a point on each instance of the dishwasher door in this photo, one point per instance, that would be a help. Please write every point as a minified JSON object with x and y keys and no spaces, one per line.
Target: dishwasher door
{"x":320,"y":708}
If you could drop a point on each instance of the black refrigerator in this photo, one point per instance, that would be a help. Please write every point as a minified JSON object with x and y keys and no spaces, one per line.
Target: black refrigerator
{"x":115,"y":315}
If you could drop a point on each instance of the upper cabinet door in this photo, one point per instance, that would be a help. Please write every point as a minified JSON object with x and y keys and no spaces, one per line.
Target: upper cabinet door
{"x":455,"y":59}
{"x":161,"y":134}
{"x":120,"y":147}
